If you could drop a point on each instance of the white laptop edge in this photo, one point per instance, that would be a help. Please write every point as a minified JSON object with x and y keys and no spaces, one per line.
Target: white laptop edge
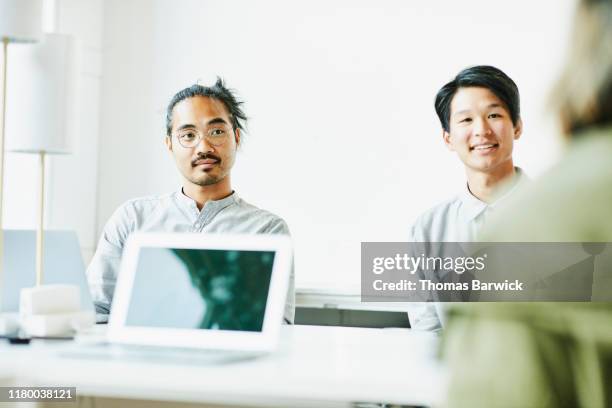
{"x":263,"y":341}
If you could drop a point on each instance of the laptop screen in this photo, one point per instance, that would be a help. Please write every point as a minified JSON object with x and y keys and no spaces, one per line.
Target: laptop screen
{"x":200,"y":289}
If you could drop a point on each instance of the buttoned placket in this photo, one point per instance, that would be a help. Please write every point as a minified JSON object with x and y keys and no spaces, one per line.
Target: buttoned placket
{"x":204,"y":217}
{"x":198,"y":225}
{"x":209,"y":211}
{"x":197,"y":214}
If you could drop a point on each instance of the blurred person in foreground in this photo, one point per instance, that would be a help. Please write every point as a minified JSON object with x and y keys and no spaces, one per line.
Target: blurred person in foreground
{"x":551,"y":354}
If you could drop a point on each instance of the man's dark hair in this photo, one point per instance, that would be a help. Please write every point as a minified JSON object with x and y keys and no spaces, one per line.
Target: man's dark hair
{"x":218,"y":91}
{"x":484,"y":76}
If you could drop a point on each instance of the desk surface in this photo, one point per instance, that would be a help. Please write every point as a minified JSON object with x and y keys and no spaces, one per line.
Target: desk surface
{"x":322,"y":366}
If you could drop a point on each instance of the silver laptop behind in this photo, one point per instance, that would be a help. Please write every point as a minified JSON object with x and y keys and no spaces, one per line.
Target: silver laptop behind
{"x":62,"y":263}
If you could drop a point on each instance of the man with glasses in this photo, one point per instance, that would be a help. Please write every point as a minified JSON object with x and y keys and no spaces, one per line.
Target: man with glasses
{"x":203,"y":132}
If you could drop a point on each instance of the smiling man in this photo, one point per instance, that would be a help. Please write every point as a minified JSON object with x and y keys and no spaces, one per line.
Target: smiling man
{"x":204,"y":128}
{"x":479,"y":112}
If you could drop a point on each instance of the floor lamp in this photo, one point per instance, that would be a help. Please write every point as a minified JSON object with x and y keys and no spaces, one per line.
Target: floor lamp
{"x":20,"y":21}
{"x":41,"y":114}
{"x":41,"y":120}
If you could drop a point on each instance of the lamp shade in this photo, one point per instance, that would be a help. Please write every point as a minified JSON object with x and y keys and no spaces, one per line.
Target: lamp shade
{"x":41,"y":95}
{"x":21,"y":20}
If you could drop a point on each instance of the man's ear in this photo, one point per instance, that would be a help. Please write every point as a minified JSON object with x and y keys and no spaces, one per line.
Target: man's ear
{"x":518,"y":129}
{"x":168,"y":141}
{"x":237,"y":137}
{"x":447,"y":141}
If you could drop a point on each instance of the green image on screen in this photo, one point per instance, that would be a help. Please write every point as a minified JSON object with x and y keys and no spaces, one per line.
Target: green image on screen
{"x":201,"y":288}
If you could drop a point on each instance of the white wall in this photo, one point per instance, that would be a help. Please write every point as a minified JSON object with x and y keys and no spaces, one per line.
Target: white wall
{"x":344,"y":142}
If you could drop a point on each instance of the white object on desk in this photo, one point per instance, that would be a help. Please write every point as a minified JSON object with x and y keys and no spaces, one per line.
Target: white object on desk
{"x":49,"y":299}
{"x":53,"y":311}
{"x":58,"y":324}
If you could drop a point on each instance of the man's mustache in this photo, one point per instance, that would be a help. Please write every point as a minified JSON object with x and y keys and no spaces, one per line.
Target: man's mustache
{"x":204,"y":156}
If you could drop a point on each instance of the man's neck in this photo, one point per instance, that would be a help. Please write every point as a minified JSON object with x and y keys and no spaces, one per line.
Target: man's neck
{"x":488,"y":186}
{"x":213,"y":192}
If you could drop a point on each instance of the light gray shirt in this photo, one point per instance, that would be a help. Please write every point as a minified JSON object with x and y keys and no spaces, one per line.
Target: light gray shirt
{"x":176,"y":213}
{"x":459,"y":219}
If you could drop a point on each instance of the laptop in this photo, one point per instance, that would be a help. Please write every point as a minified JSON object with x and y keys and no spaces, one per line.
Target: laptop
{"x":62,"y":263}
{"x":201,"y":297}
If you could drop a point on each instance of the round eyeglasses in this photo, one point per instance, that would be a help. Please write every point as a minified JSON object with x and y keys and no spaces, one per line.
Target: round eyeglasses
{"x":191,"y":137}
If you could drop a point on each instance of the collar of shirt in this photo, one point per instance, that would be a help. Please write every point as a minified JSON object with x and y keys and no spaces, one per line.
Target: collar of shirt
{"x":210,"y":208}
{"x":474,"y":207}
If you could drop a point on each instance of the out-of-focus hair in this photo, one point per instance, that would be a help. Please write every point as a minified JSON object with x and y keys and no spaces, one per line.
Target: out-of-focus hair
{"x":583,"y":95}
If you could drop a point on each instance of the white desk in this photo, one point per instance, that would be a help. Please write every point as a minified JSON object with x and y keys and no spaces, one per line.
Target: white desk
{"x":314,"y":366}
